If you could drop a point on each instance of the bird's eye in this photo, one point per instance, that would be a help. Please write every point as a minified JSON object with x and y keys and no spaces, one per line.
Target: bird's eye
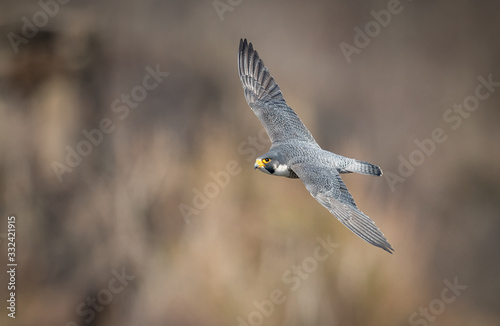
{"x":266,"y":160}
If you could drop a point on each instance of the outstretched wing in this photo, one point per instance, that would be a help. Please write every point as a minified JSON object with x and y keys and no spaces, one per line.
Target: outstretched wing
{"x":265,"y":98}
{"x":326,"y":186}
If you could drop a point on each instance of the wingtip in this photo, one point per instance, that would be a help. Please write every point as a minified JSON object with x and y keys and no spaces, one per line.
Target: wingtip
{"x":387,"y":247}
{"x":258,"y":83}
{"x":244,"y":44}
{"x":389,"y":250}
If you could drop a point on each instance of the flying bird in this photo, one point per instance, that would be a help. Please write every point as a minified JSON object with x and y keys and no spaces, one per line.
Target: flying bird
{"x":295,"y":154}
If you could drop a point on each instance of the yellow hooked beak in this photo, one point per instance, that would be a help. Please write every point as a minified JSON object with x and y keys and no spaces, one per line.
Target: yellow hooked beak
{"x":258,"y":164}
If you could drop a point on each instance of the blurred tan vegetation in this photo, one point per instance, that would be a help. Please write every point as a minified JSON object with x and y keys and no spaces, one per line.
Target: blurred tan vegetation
{"x":119,"y":208}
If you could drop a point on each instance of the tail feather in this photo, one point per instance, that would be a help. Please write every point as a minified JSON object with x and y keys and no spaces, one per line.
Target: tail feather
{"x":364,"y":168}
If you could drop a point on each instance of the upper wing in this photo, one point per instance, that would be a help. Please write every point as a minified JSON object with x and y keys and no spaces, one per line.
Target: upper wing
{"x":265,"y":98}
{"x":326,"y":186}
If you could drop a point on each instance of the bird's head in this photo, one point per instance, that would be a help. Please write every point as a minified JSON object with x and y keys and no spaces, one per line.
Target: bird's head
{"x":272,"y":163}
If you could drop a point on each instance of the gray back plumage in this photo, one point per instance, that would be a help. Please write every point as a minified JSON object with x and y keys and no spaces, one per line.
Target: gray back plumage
{"x":265,"y":99}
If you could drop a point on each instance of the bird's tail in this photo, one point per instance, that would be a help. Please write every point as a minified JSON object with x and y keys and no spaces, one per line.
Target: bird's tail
{"x":364,"y":168}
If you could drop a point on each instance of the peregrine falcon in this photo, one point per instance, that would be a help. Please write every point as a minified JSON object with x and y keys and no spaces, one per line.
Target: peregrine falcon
{"x":295,"y":154}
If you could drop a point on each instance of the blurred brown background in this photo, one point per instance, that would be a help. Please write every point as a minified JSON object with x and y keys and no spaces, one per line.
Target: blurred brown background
{"x":118,"y":211}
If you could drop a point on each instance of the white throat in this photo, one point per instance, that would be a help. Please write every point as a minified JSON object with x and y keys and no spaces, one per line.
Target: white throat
{"x":282,"y":170}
